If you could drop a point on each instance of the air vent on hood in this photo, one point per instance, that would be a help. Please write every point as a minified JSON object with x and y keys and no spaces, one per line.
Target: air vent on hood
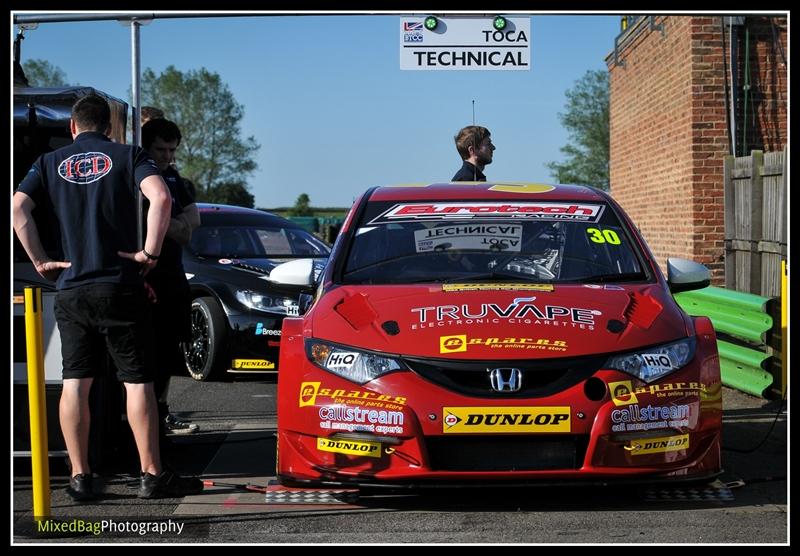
{"x":250,"y":268}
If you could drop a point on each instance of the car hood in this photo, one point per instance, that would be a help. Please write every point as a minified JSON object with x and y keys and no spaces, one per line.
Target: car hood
{"x":460,"y":322}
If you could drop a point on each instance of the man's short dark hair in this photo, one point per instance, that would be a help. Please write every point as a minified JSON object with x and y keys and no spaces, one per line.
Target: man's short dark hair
{"x":470,"y":136}
{"x":159,"y":127}
{"x":92,"y":113}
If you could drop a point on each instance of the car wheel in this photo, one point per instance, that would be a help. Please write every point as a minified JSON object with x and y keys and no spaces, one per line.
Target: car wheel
{"x":205,"y":352}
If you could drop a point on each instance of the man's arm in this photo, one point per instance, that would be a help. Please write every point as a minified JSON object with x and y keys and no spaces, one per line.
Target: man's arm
{"x":28,"y":235}
{"x":181,"y":227}
{"x":154,"y":188}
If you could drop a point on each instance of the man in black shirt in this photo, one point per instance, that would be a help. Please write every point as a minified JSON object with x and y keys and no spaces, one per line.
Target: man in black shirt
{"x":475,"y":147}
{"x":92,"y":187}
{"x":173,"y":301}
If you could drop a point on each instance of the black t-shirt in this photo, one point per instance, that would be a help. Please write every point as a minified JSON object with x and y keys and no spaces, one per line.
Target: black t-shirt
{"x":170,"y":260}
{"x":92,"y":189}
{"x":468,"y":172}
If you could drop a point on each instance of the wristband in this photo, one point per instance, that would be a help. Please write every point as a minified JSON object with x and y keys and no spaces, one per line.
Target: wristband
{"x":149,"y":256}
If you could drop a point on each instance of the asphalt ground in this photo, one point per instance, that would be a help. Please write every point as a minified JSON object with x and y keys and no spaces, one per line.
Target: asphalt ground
{"x":235,"y":450}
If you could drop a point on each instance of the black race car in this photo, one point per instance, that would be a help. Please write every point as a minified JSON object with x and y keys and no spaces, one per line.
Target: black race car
{"x":237,"y":311}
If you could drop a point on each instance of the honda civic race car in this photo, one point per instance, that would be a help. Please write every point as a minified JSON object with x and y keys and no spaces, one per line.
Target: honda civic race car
{"x":496,"y":332}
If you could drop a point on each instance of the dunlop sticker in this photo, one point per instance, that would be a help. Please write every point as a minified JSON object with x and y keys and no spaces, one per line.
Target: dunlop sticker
{"x":505,"y":419}
{"x":350,"y":447}
{"x":252,"y":364}
{"x":658,"y":445}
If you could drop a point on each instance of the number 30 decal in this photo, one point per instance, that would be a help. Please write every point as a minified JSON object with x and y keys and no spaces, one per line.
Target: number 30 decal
{"x":603,"y":236}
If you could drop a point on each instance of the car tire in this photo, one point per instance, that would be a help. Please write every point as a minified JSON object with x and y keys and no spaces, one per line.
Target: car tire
{"x":205,"y":352}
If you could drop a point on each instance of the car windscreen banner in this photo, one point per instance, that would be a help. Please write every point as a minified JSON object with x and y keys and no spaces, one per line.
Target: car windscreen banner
{"x":410,"y":212}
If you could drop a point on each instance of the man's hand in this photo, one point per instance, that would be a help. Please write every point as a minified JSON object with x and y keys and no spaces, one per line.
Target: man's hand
{"x":147,"y":263}
{"x":50,"y":270}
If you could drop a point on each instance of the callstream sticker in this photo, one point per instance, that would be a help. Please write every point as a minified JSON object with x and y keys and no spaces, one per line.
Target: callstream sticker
{"x":658,"y":445}
{"x":505,"y":419}
{"x":407,"y":212}
{"x":350,"y":447}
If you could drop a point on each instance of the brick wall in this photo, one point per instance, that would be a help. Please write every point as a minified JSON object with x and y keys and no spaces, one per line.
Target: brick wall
{"x":669,"y":130}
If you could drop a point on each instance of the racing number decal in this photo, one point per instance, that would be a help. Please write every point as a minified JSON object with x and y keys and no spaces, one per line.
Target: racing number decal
{"x":603,"y":236}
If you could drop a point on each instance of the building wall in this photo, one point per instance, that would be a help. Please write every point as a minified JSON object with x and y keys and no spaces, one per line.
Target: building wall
{"x":669,"y":127}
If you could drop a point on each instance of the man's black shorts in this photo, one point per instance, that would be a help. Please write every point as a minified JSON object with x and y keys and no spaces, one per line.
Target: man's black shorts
{"x":96,"y":319}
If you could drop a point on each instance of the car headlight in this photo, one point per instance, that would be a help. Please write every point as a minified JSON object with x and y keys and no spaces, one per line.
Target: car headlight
{"x":269,"y":303}
{"x":656,"y":362}
{"x":354,"y":365}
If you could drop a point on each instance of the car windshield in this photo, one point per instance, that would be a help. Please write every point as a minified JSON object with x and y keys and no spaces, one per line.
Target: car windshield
{"x":491,"y":241}
{"x":255,"y":242}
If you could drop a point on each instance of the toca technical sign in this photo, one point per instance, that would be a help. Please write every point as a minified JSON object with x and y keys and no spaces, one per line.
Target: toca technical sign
{"x":465,"y":43}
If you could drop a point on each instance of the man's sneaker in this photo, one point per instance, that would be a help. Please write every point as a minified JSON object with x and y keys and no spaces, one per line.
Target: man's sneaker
{"x":175,"y":426}
{"x":168,"y":485}
{"x":80,"y":487}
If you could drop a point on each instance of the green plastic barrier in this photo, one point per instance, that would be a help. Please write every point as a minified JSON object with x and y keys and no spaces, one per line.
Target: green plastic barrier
{"x":740,"y":315}
{"x":735,"y":313}
{"x":742,"y":368}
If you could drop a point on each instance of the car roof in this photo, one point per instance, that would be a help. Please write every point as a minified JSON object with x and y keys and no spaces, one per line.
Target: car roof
{"x":218,"y":214}
{"x":501,"y":190}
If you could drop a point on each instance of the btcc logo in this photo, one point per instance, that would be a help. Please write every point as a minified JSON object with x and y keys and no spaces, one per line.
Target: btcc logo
{"x":658,"y":445}
{"x":506,"y":419}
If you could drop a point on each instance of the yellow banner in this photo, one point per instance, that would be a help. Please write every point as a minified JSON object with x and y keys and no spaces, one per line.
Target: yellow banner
{"x":497,"y":287}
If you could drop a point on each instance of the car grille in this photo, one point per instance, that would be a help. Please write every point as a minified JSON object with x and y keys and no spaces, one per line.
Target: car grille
{"x":540,"y":378}
{"x":506,"y":453}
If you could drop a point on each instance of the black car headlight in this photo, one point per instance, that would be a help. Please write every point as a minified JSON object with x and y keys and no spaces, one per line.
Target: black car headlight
{"x":653,"y":363}
{"x":269,"y":303}
{"x":354,"y":365}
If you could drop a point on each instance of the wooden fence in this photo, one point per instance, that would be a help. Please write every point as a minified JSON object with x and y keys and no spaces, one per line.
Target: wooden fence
{"x":755,"y":222}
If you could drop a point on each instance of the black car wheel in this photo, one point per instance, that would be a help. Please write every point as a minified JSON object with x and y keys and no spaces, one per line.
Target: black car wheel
{"x":206,"y":351}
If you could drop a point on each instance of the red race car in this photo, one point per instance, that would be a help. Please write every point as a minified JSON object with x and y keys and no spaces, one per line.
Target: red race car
{"x":495,"y":332}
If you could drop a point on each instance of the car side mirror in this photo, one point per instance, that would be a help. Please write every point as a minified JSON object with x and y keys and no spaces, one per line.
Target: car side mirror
{"x":684,"y":275}
{"x":299,"y":272}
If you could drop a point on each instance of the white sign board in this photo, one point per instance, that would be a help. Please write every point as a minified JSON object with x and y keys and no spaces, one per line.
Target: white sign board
{"x":465,"y":43}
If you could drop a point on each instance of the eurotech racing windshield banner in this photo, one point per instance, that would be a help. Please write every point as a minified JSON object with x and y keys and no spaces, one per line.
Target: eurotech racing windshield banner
{"x":410,"y":212}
